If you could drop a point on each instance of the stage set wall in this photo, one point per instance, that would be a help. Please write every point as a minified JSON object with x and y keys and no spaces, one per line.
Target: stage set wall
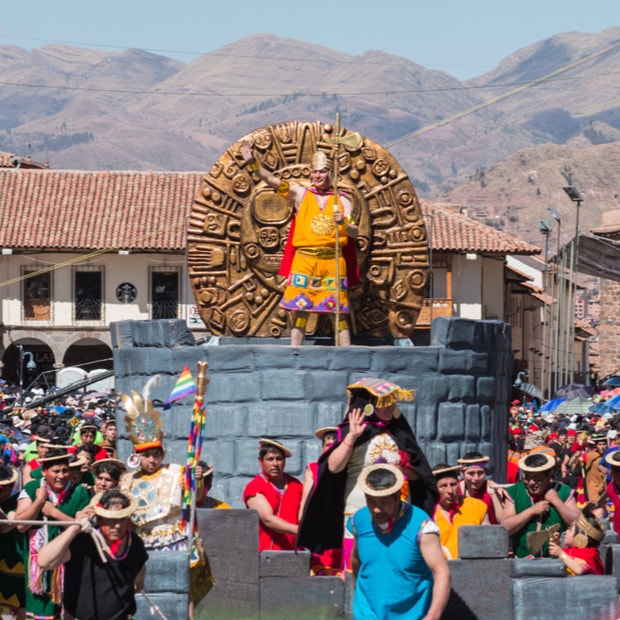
{"x":462,"y":386}
{"x":462,"y":383}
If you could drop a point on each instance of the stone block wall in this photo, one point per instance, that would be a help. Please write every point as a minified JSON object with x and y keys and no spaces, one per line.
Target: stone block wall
{"x":462,"y":384}
{"x":486,"y":584}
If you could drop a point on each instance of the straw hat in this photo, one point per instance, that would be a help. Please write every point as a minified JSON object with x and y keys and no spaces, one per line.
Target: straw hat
{"x":320,"y":432}
{"x":395,"y":487}
{"x":106,"y":513}
{"x":274,"y":444}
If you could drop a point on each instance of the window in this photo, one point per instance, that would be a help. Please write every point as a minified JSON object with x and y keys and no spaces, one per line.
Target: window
{"x":88,"y":293}
{"x":37,"y":295}
{"x":164,"y":293}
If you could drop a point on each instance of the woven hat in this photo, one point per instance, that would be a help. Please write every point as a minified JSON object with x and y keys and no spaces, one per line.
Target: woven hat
{"x":88,"y":427}
{"x":596,"y":437}
{"x":75,"y":462}
{"x":528,"y":462}
{"x":399,"y":480}
{"x":56,"y":454}
{"x":106,"y":513}
{"x":443,"y":471}
{"x":613,"y":458}
{"x":320,"y":432}
{"x":480,"y":461}
{"x":11,"y":479}
{"x":274,"y":444}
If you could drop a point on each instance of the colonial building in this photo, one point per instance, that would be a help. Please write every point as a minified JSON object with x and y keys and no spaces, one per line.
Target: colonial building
{"x":81,"y":249}
{"x":609,"y":315}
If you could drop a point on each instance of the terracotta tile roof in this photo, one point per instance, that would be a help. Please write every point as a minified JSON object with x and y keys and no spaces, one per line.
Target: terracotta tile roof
{"x":145,"y":211}
{"x":75,"y":210}
{"x":454,"y":232}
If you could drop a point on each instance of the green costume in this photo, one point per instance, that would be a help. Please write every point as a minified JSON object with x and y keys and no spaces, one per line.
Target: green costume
{"x":12,"y":588}
{"x":46,"y":605}
{"x":523,"y":500}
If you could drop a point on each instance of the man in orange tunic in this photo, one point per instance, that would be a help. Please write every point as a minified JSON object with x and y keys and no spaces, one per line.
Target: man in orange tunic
{"x":320,"y":219}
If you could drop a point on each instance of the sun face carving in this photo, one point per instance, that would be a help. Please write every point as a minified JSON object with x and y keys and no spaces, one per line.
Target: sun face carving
{"x":238,"y":228}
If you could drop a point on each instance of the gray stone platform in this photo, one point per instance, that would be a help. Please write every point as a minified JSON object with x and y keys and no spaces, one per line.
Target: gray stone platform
{"x":463,"y":383}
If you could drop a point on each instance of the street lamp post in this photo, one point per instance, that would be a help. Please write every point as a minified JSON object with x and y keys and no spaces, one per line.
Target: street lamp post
{"x":554,"y":328}
{"x":576,"y":197}
{"x":522,"y":378}
{"x":20,"y":367}
{"x":545,"y":228}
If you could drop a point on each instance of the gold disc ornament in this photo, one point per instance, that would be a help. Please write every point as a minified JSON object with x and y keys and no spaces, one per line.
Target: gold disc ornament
{"x":238,"y":228}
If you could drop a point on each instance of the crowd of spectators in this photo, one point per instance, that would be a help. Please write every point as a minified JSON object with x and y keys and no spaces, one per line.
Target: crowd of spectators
{"x":558,"y":499}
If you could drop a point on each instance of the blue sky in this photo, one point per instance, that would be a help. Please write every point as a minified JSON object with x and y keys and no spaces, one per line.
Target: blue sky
{"x":463,"y":39}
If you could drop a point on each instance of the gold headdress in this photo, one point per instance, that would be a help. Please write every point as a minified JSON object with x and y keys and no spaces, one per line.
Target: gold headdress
{"x":588,"y":526}
{"x":144,"y":423}
{"x":320,"y":160}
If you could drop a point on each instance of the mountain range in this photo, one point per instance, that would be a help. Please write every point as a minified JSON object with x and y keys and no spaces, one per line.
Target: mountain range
{"x":503,"y":144}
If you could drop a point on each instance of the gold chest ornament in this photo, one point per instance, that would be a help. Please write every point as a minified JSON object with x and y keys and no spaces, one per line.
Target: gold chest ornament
{"x":322,"y":225}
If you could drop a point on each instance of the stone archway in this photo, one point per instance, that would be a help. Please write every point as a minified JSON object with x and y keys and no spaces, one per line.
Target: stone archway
{"x":88,"y":354}
{"x":28,"y":360}
{"x":238,"y":228}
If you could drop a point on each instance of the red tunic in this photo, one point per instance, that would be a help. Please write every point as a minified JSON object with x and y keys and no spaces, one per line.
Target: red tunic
{"x":614,"y":496}
{"x":589,"y":557}
{"x":284,"y":505}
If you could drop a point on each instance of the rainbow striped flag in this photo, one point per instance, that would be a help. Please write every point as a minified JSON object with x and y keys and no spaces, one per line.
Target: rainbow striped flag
{"x":185,"y":387}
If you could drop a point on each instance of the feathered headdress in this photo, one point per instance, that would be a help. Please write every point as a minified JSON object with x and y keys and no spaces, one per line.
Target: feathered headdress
{"x":143,"y":422}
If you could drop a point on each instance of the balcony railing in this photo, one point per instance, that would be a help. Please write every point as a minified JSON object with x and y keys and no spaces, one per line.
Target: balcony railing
{"x":440,"y":307}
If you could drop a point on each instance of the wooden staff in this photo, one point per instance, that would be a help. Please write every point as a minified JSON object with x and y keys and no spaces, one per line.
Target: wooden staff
{"x":337,"y":245}
{"x":353,"y":140}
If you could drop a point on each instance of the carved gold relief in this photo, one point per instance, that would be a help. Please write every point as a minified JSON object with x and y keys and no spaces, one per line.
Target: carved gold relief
{"x":238,"y":228}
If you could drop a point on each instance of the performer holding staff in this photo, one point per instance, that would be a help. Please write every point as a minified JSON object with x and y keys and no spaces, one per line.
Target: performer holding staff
{"x":322,"y":227}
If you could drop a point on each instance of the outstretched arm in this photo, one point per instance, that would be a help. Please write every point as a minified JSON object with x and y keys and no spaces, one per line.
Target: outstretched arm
{"x":293,"y":192}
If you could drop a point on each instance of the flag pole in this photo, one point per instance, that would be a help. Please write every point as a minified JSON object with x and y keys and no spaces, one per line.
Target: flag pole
{"x":194,"y":446}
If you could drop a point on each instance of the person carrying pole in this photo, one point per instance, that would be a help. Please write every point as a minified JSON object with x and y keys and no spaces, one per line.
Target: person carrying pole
{"x":318,"y":240}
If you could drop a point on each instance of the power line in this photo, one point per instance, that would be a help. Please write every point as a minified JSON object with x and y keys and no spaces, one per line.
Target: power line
{"x":488,"y":102}
{"x":322,"y":93}
{"x":354,"y":59}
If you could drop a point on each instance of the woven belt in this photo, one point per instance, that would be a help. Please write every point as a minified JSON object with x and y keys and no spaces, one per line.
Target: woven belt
{"x":317,"y":252}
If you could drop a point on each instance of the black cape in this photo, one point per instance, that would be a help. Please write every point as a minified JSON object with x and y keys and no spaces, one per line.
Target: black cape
{"x":322,"y":524}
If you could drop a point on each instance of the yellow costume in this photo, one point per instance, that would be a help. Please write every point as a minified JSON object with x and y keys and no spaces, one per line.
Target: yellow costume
{"x":470,"y":512}
{"x":311,"y":283}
